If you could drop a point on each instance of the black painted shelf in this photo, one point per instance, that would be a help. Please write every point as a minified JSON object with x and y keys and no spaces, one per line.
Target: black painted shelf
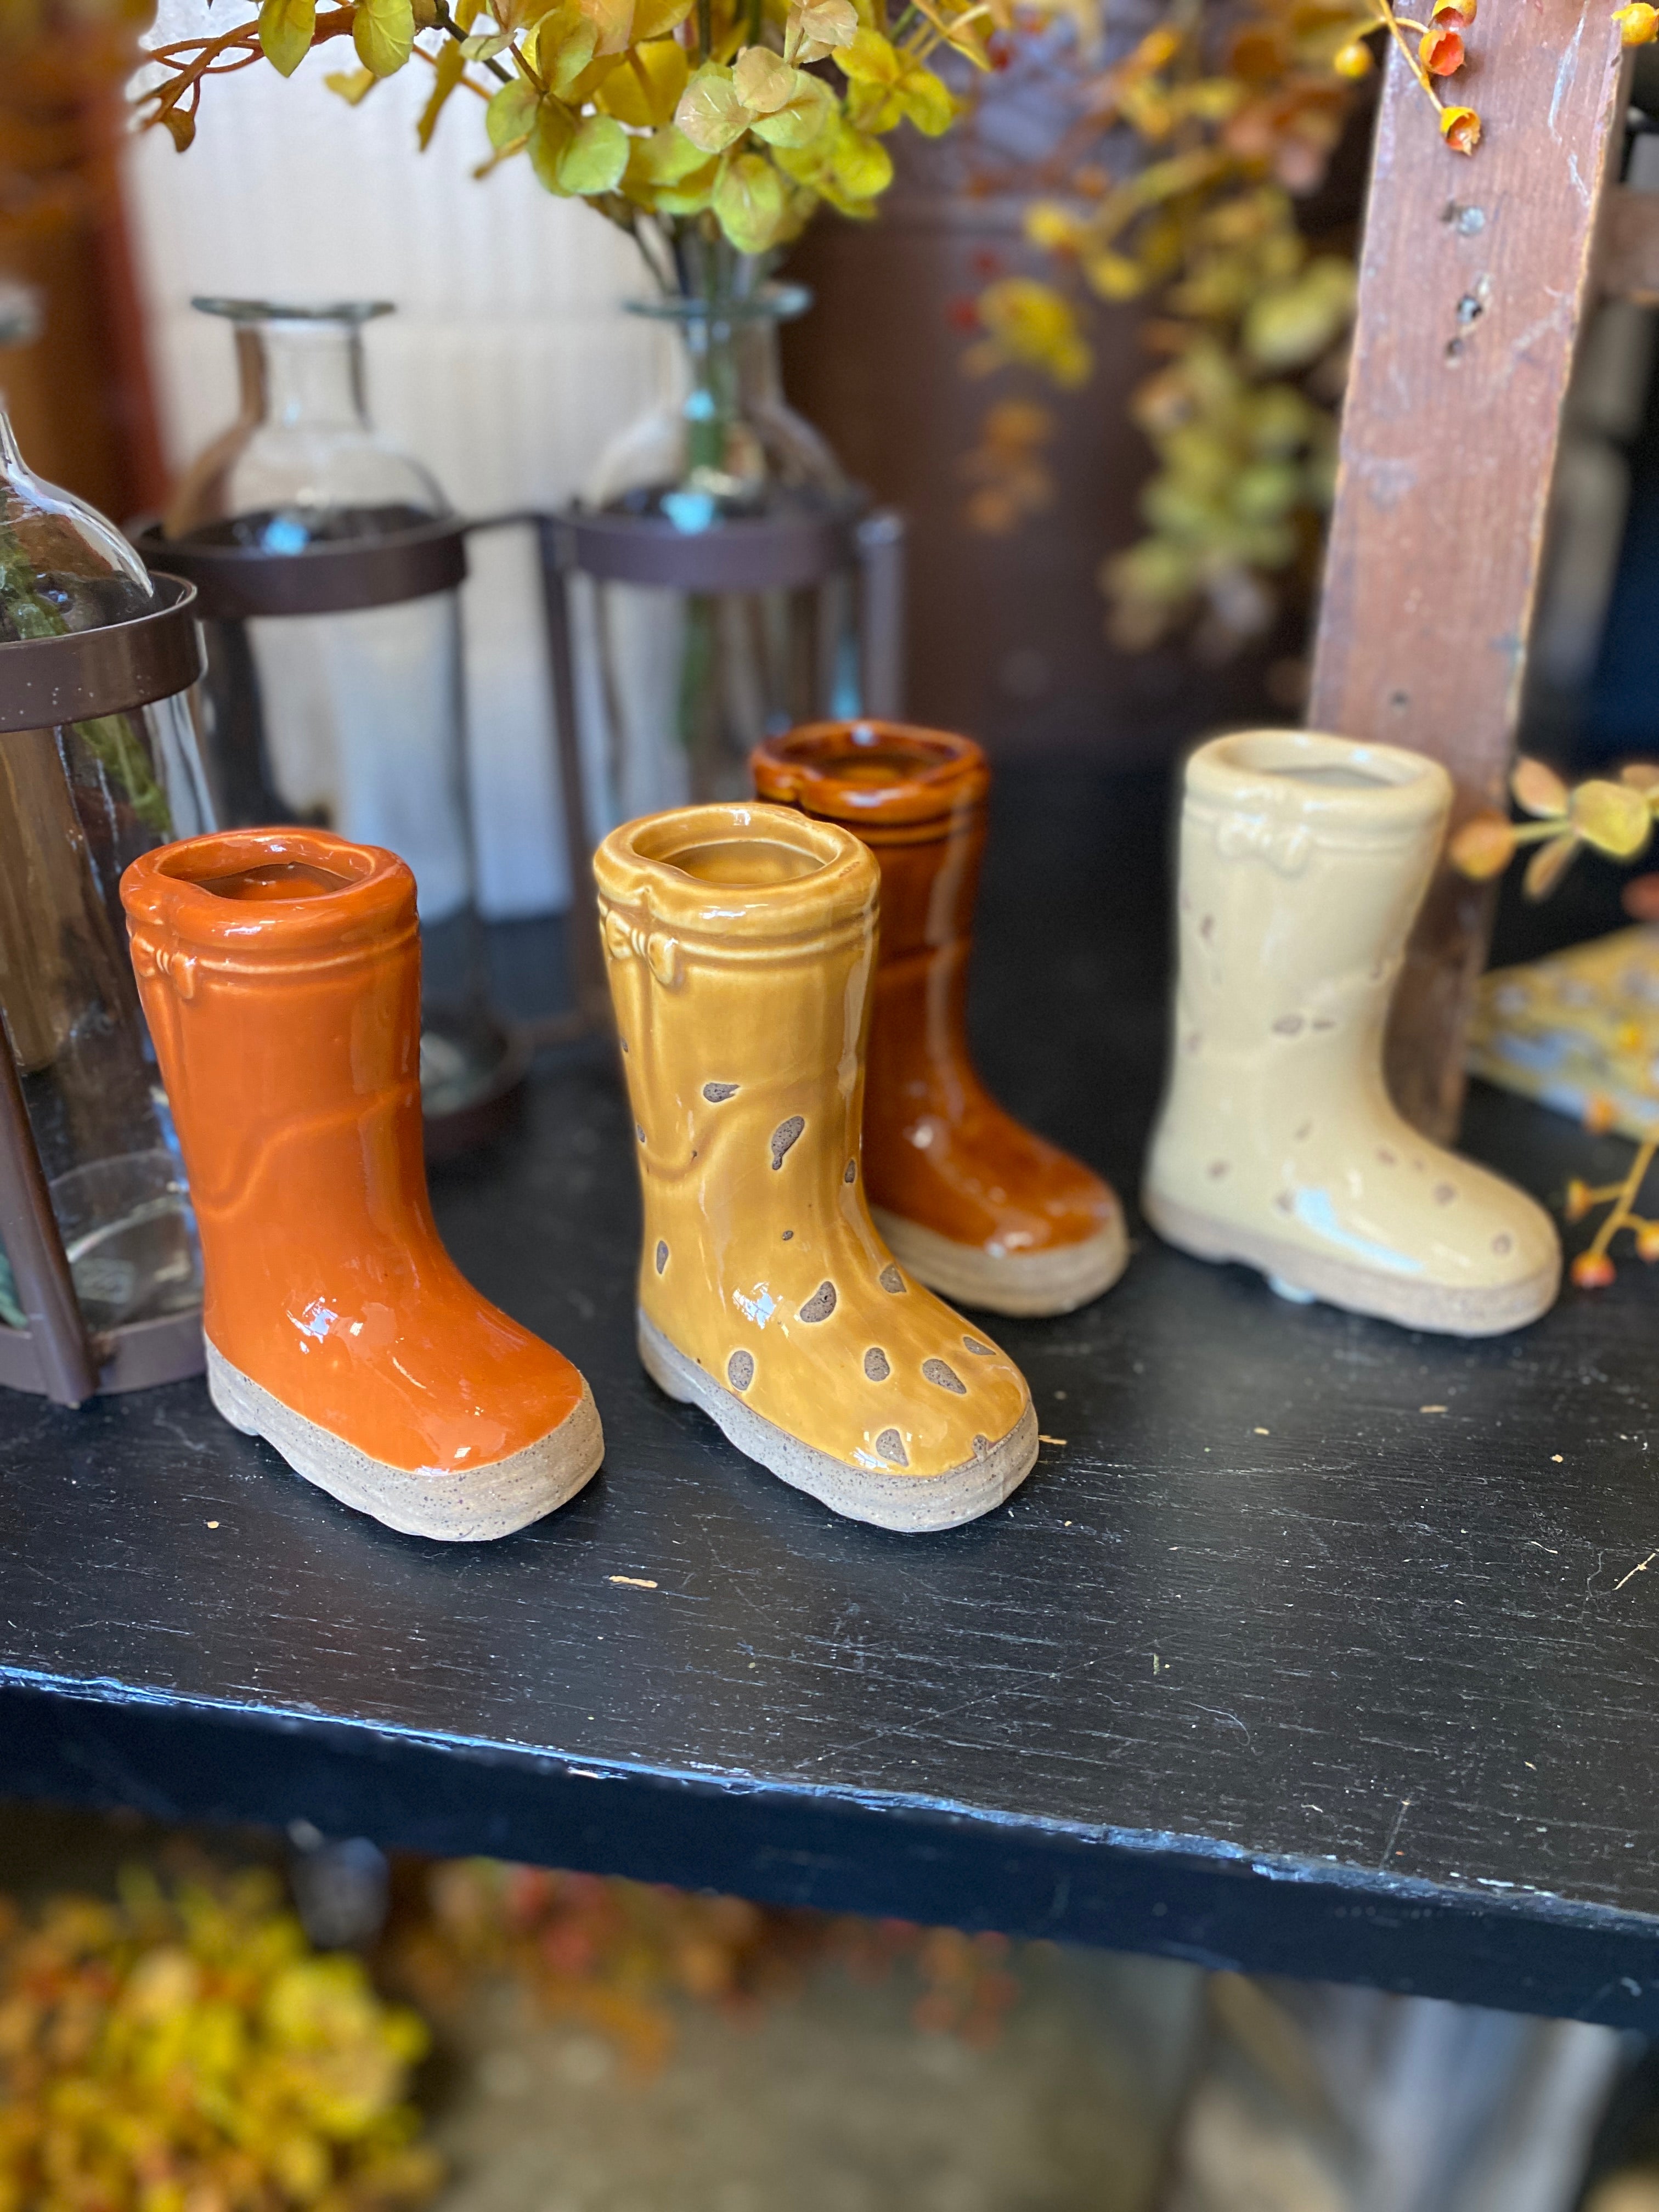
{"x":1264,"y":1666}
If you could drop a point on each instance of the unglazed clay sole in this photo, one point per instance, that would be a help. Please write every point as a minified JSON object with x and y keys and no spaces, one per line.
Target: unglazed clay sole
{"x":1435,"y":1306}
{"x":913,"y":1503}
{"x":470,"y":1508}
{"x":1019,"y":1283}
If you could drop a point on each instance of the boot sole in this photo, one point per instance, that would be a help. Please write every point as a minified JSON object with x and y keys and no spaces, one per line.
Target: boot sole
{"x":470,"y":1508}
{"x":911,"y":1504}
{"x":1438,"y":1307}
{"x":1027,"y":1284}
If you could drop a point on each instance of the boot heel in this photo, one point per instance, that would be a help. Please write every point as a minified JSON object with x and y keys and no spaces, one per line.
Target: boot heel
{"x":228,"y":1401}
{"x":659,"y":1369}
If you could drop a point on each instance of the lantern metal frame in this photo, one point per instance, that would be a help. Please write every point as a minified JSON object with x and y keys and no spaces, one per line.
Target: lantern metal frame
{"x":45,"y":683}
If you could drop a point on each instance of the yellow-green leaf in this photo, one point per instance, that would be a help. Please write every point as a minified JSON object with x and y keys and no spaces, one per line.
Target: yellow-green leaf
{"x":612,"y":22}
{"x":870,"y":58}
{"x":352,"y":86}
{"x":645,"y":90}
{"x":802,"y":117}
{"x":1548,"y":865}
{"x":861,"y":166}
{"x":654,"y":19}
{"x":595,"y":158}
{"x":551,"y":135}
{"x":709,"y":111}
{"x":1612,"y":818}
{"x":750,"y":203}
{"x":815,"y":28}
{"x":668,"y":175}
{"x":762,"y":80}
{"x":383,"y":31}
{"x":564,"y":42}
{"x":1482,"y":847}
{"x":482,"y":47}
{"x":1538,"y":790}
{"x":667,"y":157}
{"x":450,"y":68}
{"x":510,"y":114}
{"x":926,"y":99}
{"x":285,"y":29}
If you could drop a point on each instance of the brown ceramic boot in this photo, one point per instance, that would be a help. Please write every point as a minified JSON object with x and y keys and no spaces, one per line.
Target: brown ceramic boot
{"x":973,"y":1203}
{"x":281,"y":973}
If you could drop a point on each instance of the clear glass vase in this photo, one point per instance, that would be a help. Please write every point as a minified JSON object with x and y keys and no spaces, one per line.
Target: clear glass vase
{"x":682,"y":685}
{"x":351,"y":721}
{"x":77,"y":803}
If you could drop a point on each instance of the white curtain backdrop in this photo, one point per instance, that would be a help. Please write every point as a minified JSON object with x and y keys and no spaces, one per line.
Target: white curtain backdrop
{"x":506,"y":369}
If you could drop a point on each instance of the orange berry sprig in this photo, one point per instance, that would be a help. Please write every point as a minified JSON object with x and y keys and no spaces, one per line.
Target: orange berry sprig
{"x":1614,"y":819}
{"x":1592,"y":1270}
{"x":1439,"y":52}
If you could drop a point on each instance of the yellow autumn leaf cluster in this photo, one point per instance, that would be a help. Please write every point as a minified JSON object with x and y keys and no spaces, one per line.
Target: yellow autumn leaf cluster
{"x":740,"y":116}
{"x":188,"y":2049}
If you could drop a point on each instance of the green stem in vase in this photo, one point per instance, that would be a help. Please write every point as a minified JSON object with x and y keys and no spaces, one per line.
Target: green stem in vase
{"x":111,"y":739}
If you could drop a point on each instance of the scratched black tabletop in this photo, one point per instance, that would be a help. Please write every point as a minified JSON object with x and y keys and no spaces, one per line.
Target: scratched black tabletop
{"x":1312,"y":1645}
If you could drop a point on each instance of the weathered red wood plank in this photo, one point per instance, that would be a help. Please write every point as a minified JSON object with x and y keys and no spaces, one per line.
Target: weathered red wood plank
{"x":1474,"y":277}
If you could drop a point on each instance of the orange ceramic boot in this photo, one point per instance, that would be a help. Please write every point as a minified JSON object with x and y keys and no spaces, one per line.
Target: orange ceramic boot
{"x":280,"y":971}
{"x":972,"y":1202}
{"x":739,"y":942}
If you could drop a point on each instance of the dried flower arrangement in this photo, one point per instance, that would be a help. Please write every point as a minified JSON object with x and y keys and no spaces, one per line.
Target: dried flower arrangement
{"x":611,"y":1953}
{"x":1177,"y":187}
{"x":686,"y":122}
{"x":1614,"y":817}
{"x":185,"y":2050}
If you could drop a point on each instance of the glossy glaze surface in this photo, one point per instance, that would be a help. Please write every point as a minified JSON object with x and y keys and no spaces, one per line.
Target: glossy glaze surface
{"x":741,"y":997}
{"x":280,"y":971}
{"x":940,"y":1152}
{"x":1304,"y":860}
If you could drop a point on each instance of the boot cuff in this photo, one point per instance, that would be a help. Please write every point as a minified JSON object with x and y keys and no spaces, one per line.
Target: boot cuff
{"x":272,"y":894}
{"x":871,"y":774}
{"x":1301,"y":781}
{"x":734,"y":874}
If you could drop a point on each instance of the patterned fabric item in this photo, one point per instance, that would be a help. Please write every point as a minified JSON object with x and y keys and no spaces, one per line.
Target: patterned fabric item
{"x":1578,"y":1032}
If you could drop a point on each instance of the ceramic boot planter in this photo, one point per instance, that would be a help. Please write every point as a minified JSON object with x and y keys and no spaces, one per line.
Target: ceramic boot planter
{"x":740,"y":941}
{"x":1304,"y":860}
{"x":280,"y":971}
{"x":975,"y":1204}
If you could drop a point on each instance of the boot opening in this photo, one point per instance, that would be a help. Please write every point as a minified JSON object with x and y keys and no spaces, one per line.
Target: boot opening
{"x":869,"y":752}
{"x":743,"y":863}
{"x":1324,"y":763}
{"x":278,"y":880}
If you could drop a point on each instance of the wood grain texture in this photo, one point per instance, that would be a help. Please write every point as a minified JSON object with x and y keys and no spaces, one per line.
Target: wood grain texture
{"x":1265,"y":1665}
{"x":1474,"y":277}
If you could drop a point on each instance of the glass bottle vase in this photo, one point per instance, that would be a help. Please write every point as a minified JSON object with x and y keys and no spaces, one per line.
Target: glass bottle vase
{"x":679,"y":686}
{"x":352,"y":721}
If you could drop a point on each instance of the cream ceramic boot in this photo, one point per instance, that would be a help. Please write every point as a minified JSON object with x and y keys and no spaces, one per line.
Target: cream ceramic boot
{"x":1304,"y":860}
{"x":740,"y":942}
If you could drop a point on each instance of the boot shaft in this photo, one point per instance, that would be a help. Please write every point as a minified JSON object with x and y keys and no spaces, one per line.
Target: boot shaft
{"x":916,"y":797}
{"x":280,"y":973}
{"x":740,"y":941}
{"x":1304,"y":860}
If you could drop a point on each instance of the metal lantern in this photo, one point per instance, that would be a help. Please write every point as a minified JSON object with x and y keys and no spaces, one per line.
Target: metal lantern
{"x":96,"y":761}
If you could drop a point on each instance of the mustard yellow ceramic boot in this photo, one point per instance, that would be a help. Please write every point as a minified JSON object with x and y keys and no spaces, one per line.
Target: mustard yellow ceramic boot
{"x":740,"y":941}
{"x":1304,"y":860}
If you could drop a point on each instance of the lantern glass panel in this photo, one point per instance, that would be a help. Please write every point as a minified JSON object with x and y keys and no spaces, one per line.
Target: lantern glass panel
{"x":77,"y":803}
